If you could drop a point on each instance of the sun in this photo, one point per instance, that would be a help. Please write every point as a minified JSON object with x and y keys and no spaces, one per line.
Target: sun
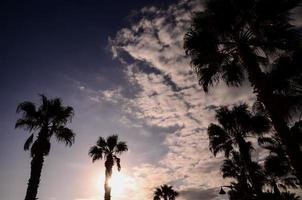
{"x":120,"y":183}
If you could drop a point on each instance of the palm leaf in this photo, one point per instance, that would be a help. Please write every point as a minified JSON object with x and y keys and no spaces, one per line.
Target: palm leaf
{"x":101,"y":143}
{"x":27,"y":124}
{"x":112,"y":141}
{"x":65,"y":135}
{"x":260,"y":124}
{"x":219,"y":140}
{"x":28,"y":142}
{"x":96,"y":153}
{"x":27,"y":108}
{"x":121,"y":147}
{"x":118,"y":163}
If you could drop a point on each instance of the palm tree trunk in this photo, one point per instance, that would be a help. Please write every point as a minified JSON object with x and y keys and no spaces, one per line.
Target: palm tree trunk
{"x":108,"y":174}
{"x":35,"y":174}
{"x":243,"y":185}
{"x":265,"y":95}
{"x":246,"y":158}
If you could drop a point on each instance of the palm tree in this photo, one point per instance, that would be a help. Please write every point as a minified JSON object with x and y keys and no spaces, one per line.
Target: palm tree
{"x":165,"y":192}
{"x":232,"y":38}
{"x":234,"y":167}
{"x":278,"y":172}
{"x":109,"y":150}
{"x":283,"y":196}
{"x":49,"y":119}
{"x":234,"y":127}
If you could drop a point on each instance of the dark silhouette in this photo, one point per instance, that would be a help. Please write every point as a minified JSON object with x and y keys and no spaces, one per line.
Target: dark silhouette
{"x":49,"y":119}
{"x":234,"y":167}
{"x":109,"y":150}
{"x":283,"y":196}
{"x":232,"y":38}
{"x":165,"y":192}
{"x":234,"y":126}
{"x":278,"y":173}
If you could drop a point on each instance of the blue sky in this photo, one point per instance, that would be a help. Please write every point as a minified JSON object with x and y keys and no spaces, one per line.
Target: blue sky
{"x":122,"y":67}
{"x":54,"y":47}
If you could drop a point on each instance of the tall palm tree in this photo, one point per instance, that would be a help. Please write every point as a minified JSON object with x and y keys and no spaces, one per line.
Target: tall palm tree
{"x":49,"y":119}
{"x":232,"y":38}
{"x":235,"y":125}
{"x":165,"y":192}
{"x":109,"y":150}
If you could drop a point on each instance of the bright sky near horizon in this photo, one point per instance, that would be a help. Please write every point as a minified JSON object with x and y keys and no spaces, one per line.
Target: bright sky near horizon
{"x":122,"y":67}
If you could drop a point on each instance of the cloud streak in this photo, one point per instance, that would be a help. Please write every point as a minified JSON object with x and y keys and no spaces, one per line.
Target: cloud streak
{"x":169,"y":96}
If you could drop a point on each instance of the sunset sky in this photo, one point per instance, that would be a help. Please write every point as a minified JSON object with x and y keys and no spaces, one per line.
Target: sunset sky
{"x":121,"y":66}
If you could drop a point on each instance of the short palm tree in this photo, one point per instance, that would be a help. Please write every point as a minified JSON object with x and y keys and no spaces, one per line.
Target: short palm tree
{"x":231,"y":39}
{"x":49,"y":119}
{"x":235,"y":125}
{"x":108,"y":149}
{"x":165,"y":192}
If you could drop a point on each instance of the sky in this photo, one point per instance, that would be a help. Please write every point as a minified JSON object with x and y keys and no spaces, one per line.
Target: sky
{"x":121,"y":66}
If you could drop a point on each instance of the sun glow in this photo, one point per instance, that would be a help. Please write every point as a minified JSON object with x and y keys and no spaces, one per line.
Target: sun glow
{"x":120,"y":183}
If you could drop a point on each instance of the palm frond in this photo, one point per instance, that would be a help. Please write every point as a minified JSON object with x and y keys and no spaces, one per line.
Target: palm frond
{"x":63,"y":115}
{"x":65,"y":135}
{"x":28,"y":142}
{"x":121,"y":147}
{"x":112,"y":141}
{"x":233,"y":74}
{"x":230,"y":169}
{"x":224,"y":117}
{"x":260,"y":124}
{"x":96,"y":153}
{"x":118,"y":162}
{"x":102,"y":143}
{"x":219,"y":140}
{"x":43,"y":108}
{"x":27,"y":108}
{"x":289,"y":196}
{"x":27,"y":124}
{"x":259,"y":108}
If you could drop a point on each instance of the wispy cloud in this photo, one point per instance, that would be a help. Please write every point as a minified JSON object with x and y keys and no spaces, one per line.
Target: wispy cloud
{"x":169,"y":96}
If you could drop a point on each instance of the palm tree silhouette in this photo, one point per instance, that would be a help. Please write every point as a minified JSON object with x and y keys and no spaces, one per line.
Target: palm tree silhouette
{"x":232,"y":38}
{"x":109,"y":150}
{"x":278,"y":172}
{"x":165,"y":192}
{"x":234,"y":126}
{"x":234,"y":167}
{"x":283,"y":196}
{"x":49,"y":119}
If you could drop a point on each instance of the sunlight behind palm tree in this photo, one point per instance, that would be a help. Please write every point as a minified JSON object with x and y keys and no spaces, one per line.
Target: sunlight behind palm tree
{"x":120,"y":183}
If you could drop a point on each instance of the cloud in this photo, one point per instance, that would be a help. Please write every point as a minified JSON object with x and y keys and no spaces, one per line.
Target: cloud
{"x":110,"y":95}
{"x":195,"y":194}
{"x":168,"y":95}
{"x":148,"y":177}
